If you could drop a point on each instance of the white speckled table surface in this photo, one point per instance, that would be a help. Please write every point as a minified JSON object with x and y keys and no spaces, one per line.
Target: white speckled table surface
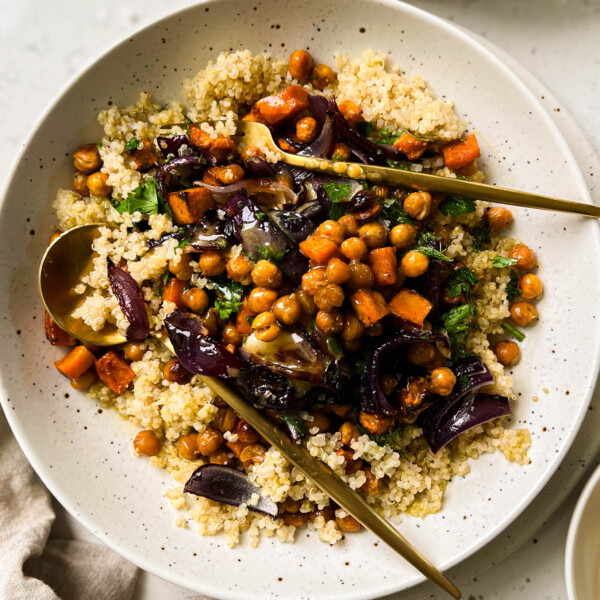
{"x":43,"y":44}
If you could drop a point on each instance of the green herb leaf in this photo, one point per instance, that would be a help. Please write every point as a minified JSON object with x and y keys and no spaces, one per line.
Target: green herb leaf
{"x":512,"y":287}
{"x":338,"y":157}
{"x":338,"y":192}
{"x":391,"y":438}
{"x":481,"y":237}
{"x":365,"y":128}
{"x":335,"y":347}
{"x":455,"y":321}
{"x":163,"y":107}
{"x":500,"y":262}
{"x":144,"y":199}
{"x":385,"y":137}
{"x":293,"y":419}
{"x":392,"y":211}
{"x":261,"y":216}
{"x":250,"y":319}
{"x":395,"y":164}
{"x":267,"y":253}
{"x":519,"y":335}
{"x":424,"y":247}
{"x":100,"y":144}
{"x":454,"y":206}
{"x":229,"y":296}
{"x":131,"y":144}
{"x":184,"y":242}
{"x":461,"y":281}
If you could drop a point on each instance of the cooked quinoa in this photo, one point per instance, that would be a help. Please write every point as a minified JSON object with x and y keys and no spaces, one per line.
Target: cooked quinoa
{"x":410,"y":478}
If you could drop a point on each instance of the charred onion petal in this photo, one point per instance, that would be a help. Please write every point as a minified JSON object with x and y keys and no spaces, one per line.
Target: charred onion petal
{"x":198,"y":352}
{"x":208,"y":234}
{"x":319,"y":105}
{"x":293,"y":225}
{"x":474,"y":410}
{"x":323,"y":144}
{"x":167,"y":170}
{"x":229,"y":486}
{"x":284,"y":195}
{"x":310,"y":210}
{"x":259,"y":167}
{"x":126,"y":291}
{"x":291,"y":141}
{"x":180,"y":234}
{"x":171,"y":145}
{"x":373,"y":398}
{"x":299,"y":174}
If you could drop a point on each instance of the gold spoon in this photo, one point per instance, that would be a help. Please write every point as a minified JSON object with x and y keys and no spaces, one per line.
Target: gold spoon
{"x":70,"y":257}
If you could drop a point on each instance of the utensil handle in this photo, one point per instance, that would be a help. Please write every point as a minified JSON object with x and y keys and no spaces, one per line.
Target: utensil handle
{"x":318,"y":472}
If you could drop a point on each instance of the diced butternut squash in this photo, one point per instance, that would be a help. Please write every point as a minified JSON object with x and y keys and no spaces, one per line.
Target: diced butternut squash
{"x":241,"y":323}
{"x":410,"y":306}
{"x":220,"y":146}
{"x":411,"y":146}
{"x":114,"y":372}
{"x":457,"y":154}
{"x":469,"y":169}
{"x":144,"y":158}
{"x":57,"y":336}
{"x":189,"y":206}
{"x":76,"y":363}
{"x":173,"y":292}
{"x":351,"y":111}
{"x":369,"y":307}
{"x":286,"y":104}
{"x":319,"y":249}
{"x":384,"y":264}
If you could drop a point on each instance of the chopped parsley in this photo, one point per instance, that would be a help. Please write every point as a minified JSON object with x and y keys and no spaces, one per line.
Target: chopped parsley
{"x":423,"y":245}
{"x":456,"y":323}
{"x":131,"y":144}
{"x":385,"y":137}
{"x":261,"y":216}
{"x":250,"y":319}
{"x":144,"y":199}
{"x":184,"y":242}
{"x":395,"y":164}
{"x":481,"y":237}
{"x":454,"y":206}
{"x":338,"y":157}
{"x":293,"y":420}
{"x":99,"y":144}
{"x":229,"y":296}
{"x":461,"y":281}
{"x":163,"y":107}
{"x":519,"y":335}
{"x":334,"y":347}
{"x":338,"y":192}
{"x":365,"y":128}
{"x":512,"y":287}
{"x":267,"y":253}
{"x":500,"y":262}
{"x":391,"y":438}
{"x":392,"y":211}
{"x":463,"y":380}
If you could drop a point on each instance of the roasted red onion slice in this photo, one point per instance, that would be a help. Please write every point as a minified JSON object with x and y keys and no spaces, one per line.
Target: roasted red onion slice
{"x":284,"y":195}
{"x":126,"y":291}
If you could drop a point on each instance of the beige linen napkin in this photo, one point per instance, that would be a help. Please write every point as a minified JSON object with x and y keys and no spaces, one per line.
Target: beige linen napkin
{"x":33,"y":567}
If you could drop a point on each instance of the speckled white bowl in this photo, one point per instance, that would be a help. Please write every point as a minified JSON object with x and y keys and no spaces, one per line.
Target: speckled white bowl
{"x":582,"y":557}
{"x":84,"y":455}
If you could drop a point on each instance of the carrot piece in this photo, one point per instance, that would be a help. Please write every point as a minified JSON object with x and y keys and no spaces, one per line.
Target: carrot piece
{"x":241,"y":322}
{"x":286,"y":104}
{"x":410,"y":306}
{"x":114,"y":372}
{"x":319,"y":249}
{"x":76,"y":363}
{"x":457,"y":154}
{"x":188,"y":206}
{"x":57,"y":336}
{"x":173,"y":292}
{"x":144,"y":158}
{"x":410,"y":145}
{"x":369,"y":306}
{"x":384,"y":264}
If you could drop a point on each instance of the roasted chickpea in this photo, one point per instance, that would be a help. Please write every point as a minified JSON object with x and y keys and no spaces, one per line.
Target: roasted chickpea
{"x":347,"y":523}
{"x":188,"y":446}
{"x":307,"y":303}
{"x":387,"y":383}
{"x":246,"y":433}
{"x":221,"y":457}
{"x":326,"y":512}
{"x":498,"y":217}
{"x":441,"y":381}
{"x":354,"y":248}
{"x":290,"y":505}
{"x":330,"y":296}
{"x":353,"y":329}
{"x":175,"y":372}
{"x":261,"y":299}
{"x":349,"y":432}
{"x":322,"y":76}
{"x":375,"y":330}
{"x":266,"y":274}
{"x":524,"y":256}
{"x":530,"y":286}
{"x":350,"y":225}
{"x":361,"y":276}
{"x":231,"y":335}
{"x":287,"y":309}
{"x":371,"y":485}
{"x":420,"y":354}
{"x":418,"y":205}
{"x":414,"y":263}
{"x":80,"y":183}
{"x":265,"y":327}
{"x":97,"y":185}
{"x":212,"y":263}
{"x":294,"y":520}
{"x":146,"y":443}
{"x":300,"y":64}
{"x":337,"y":271}
{"x":320,"y":421}
{"x":314,"y":280}
{"x":181,"y":268}
{"x":87,"y":159}
{"x":134,"y":350}
{"x":210,"y":321}
{"x":403,"y":236}
{"x":306,"y":129}
{"x":209,"y":441}
{"x":341,"y":152}
{"x":329,"y":321}
{"x":254,"y":453}
{"x":523,"y":312}
{"x":239,"y":268}
{"x":85,"y":380}
{"x":226,"y":419}
{"x":507,"y":352}
{"x":373,"y":234}
{"x":331,"y":230}
{"x":196,"y":300}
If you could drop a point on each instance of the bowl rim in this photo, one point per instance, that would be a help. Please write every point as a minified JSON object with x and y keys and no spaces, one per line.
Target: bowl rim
{"x":582,"y":503}
{"x":436,"y":23}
